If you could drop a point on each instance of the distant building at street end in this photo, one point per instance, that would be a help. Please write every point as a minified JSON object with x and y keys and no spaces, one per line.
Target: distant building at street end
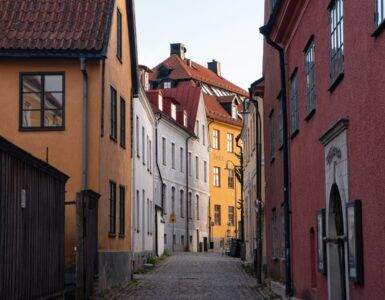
{"x":324,"y":143}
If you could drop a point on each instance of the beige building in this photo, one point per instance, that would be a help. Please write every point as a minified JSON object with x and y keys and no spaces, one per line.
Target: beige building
{"x":253,"y":190}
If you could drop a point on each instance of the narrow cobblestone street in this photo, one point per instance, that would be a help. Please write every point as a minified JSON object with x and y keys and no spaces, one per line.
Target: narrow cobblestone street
{"x":195,"y":276}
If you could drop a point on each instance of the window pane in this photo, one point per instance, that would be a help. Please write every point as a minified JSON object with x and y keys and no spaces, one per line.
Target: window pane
{"x":53,"y":100}
{"x":32,"y":83}
{"x":31,"y":101}
{"x":31,"y":118}
{"x":53,"y":83}
{"x":53,"y":118}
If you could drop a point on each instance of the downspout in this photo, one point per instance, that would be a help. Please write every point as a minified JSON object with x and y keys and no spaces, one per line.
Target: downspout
{"x":83,"y":68}
{"x":242,"y":203}
{"x":286,"y":193}
{"x":187,"y":197}
{"x":210,"y":227}
{"x":157,"y":163}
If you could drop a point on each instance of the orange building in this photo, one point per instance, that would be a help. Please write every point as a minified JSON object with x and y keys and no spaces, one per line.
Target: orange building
{"x":67,"y":79}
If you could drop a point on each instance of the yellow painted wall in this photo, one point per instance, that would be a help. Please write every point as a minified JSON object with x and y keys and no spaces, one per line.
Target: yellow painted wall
{"x":107,"y":160}
{"x":223,"y":195}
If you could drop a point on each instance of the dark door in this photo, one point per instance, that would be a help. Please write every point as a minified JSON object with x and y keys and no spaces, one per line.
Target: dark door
{"x":205,"y":246}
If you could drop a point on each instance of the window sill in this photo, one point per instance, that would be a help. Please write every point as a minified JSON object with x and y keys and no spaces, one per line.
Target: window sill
{"x":112,"y":235}
{"x":123,"y":146}
{"x":379,"y":29}
{"x":122,"y":236}
{"x":336,"y":82}
{"x":310,"y":115}
{"x":26,"y":129}
{"x":115,"y":140}
{"x":294,"y":134}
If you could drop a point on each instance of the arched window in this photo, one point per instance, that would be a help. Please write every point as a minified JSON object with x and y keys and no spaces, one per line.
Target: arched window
{"x":197,"y":207}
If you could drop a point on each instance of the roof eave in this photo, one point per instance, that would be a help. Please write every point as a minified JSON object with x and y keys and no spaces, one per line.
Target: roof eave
{"x":51,"y":54}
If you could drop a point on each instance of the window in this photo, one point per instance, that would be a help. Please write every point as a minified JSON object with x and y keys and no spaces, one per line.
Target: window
{"x":137,"y":219}
{"x":122,"y":210}
{"x":216,"y":139}
{"x":173,"y":199}
{"x":160,"y":102}
{"x":231,"y":219}
{"x":165,"y":239}
{"x":380,"y":12}
{"x":151,"y":216}
{"x":181,"y":158}
{"x":189,"y":164}
{"x":294,"y":113}
{"x":197,"y":128}
{"x":204,"y":135}
{"x":148,"y":153}
{"x":144,"y":210}
{"x":148,"y":216}
{"x":181,"y":201}
{"x":205,"y":171}
{"x":230,"y":142}
{"x":273,"y":4}
{"x":113,"y":116}
{"x":182,"y":239}
{"x":189,"y":206}
{"x":217,"y":176}
{"x":274,"y":233}
{"x":164,"y":192}
{"x":167,"y":85}
{"x":173,"y":239}
{"x":164,"y":151}
{"x":122,"y":123}
{"x":197,"y":206}
{"x":310,"y":77}
{"x":217,"y":214}
{"x":271,"y":134}
{"x":173,"y":155}
{"x":230,"y":179}
{"x":173,"y":111}
{"x":143,"y":146}
{"x":112,"y":208}
{"x":137,"y":136}
{"x":119,"y":35}
{"x":42,"y":102}
{"x":337,"y":40}
{"x":196,"y":167}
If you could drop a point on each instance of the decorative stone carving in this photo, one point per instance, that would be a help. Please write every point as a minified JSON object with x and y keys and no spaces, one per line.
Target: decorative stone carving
{"x":333,"y":152}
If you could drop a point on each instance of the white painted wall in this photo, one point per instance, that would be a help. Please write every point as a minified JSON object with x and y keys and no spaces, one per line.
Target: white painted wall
{"x":143,"y":166}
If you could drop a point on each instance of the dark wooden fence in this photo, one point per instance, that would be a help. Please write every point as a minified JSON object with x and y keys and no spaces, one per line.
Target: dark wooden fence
{"x":31,"y":226}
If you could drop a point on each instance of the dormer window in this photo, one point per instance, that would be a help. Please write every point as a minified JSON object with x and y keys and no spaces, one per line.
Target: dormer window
{"x":185,"y":119}
{"x":167,"y":85}
{"x":160,"y":103}
{"x":234,"y":111}
{"x":173,"y":111}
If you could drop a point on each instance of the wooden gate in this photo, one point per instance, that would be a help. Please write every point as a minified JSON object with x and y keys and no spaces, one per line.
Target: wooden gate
{"x":87,"y":243}
{"x":31,"y":226}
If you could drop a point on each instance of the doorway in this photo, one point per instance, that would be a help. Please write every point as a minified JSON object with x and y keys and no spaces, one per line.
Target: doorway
{"x":336,"y":247}
{"x":198,"y":240}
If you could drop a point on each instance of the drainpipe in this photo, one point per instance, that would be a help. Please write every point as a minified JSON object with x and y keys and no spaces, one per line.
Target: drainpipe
{"x":83,"y":68}
{"x":286,"y":193}
{"x":156,"y":160}
{"x":210,"y":227}
{"x":242,"y":203}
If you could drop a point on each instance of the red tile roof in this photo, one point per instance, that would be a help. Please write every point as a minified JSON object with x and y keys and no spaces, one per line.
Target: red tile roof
{"x":187,"y":96}
{"x":181,"y":69}
{"x":216,"y":111}
{"x":55,"y":26}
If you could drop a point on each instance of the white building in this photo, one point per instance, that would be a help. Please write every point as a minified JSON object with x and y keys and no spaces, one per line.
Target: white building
{"x":182,"y":154}
{"x":143,"y":167}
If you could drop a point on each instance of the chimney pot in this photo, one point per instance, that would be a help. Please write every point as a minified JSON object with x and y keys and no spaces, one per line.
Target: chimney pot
{"x":214,"y":66}
{"x":178,"y":49}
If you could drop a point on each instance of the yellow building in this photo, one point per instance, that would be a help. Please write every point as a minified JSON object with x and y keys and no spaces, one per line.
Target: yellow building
{"x":225,"y":189}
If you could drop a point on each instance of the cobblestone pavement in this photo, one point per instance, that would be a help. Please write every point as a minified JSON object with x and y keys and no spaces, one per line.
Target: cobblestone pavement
{"x":195,"y":276}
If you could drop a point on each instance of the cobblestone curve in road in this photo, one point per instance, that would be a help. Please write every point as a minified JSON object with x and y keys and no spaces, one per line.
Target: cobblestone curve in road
{"x":195,"y":276}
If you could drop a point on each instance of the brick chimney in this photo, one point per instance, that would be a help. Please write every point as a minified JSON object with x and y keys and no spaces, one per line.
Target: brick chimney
{"x":178,"y":49}
{"x":214,"y":66}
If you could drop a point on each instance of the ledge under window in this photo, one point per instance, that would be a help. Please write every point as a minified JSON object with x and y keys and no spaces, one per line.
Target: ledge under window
{"x":294,"y":133}
{"x":310,"y":114}
{"x":56,"y":128}
{"x":111,"y":235}
{"x":114,"y":139}
{"x":122,"y":236}
{"x":336,"y":82}
{"x":379,"y":29}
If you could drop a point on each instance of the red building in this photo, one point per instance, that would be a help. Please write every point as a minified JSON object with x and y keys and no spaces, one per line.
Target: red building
{"x":325,"y":61}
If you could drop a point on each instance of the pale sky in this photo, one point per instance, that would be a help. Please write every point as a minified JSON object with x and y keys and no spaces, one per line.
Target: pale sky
{"x":225,"y":30}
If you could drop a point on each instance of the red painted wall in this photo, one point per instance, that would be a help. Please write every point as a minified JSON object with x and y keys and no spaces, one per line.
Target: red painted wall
{"x":361,"y":98}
